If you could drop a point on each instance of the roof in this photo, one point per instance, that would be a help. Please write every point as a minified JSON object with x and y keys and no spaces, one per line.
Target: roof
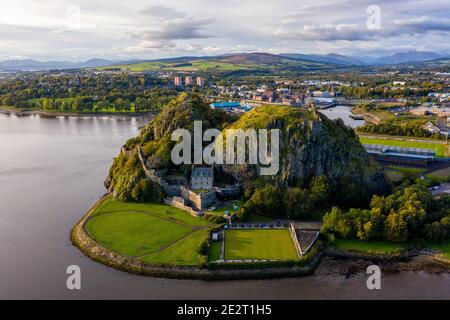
{"x":202,"y":172}
{"x":225,"y":105}
{"x":417,"y":153}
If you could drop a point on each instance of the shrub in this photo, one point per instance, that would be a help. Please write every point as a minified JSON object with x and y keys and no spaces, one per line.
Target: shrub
{"x":214,"y":218}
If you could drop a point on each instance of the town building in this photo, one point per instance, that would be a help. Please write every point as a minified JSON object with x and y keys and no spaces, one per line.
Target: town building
{"x":188,"y":80}
{"x":200,"y":81}
{"x":178,"y":81}
{"x":401,"y":155}
{"x":231,"y":106}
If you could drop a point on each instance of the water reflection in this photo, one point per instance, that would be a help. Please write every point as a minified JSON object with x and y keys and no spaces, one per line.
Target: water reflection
{"x":52,"y":171}
{"x":344,"y":113}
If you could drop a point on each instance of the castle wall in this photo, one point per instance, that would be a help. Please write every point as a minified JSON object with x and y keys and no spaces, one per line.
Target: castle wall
{"x":200,"y":201}
{"x":156,"y":176}
{"x":180,"y":204}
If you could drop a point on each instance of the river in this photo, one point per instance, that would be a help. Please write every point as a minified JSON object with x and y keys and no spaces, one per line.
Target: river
{"x":344,"y":113}
{"x":52,"y":171}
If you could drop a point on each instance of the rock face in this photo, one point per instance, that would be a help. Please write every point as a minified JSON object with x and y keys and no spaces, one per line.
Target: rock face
{"x":311,"y":145}
{"x":127,"y":179}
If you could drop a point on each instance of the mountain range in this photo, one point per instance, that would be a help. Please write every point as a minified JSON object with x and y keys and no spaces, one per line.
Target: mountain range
{"x":236,"y":59}
{"x":397,"y":58}
{"x":34,"y":65}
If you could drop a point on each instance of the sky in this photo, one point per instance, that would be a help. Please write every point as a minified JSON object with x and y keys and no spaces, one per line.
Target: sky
{"x":78,"y":30}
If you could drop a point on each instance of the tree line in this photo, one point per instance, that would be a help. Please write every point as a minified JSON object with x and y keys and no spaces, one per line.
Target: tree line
{"x":87,"y":92}
{"x":409,"y":214}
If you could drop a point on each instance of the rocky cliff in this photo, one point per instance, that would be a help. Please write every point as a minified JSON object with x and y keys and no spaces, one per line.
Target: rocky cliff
{"x":310,"y":145}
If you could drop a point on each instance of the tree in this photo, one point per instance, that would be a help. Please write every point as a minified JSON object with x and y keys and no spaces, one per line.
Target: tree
{"x":331,"y":220}
{"x":267,"y":201}
{"x":297,"y":203}
{"x":319,"y":190}
{"x":396,"y":229}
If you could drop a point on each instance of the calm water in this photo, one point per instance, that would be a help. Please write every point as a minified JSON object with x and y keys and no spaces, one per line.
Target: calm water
{"x":52,"y":171}
{"x":344,"y":113}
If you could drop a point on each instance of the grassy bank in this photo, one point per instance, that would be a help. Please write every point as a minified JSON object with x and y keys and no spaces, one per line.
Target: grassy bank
{"x":443,"y":248}
{"x":154,"y":233}
{"x":369,"y":247}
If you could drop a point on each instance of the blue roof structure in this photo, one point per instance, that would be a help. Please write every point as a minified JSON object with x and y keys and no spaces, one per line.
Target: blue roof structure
{"x":225,"y":105}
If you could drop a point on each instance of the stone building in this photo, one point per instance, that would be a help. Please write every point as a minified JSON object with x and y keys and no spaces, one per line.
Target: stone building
{"x":202,"y":178}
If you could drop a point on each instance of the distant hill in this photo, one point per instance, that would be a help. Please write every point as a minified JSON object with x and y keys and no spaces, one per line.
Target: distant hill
{"x":34,"y":65}
{"x":438,"y":62}
{"x":254,"y":58}
{"x":405,"y":57}
{"x":267,"y":61}
{"x":328,"y":58}
{"x":229,"y":62}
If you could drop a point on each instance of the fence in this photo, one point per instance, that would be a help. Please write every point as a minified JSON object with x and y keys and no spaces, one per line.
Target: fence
{"x":257,"y":226}
{"x":293,"y":234}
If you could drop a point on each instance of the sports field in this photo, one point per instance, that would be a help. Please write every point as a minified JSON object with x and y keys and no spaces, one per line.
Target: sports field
{"x":440,"y":148}
{"x":259,"y":245}
{"x":154,"y":233}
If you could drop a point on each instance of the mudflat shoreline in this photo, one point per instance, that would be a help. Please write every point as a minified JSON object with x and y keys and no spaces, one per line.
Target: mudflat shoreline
{"x":345,"y":263}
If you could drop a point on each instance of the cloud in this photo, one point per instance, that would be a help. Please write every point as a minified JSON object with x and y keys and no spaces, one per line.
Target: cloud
{"x":359,"y":32}
{"x":178,"y":29}
{"x":159,"y":28}
{"x":423,"y":24}
{"x":325,"y":32}
{"x":171,"y":31}
{"x":162,"y":12}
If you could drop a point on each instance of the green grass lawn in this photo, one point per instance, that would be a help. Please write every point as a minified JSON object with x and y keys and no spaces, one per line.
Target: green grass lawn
{"x":214,"y":251}
{"x":369,"y":246}
{"x":436,"y":146}
{"x":158,"y":210}
{"x":444,"y":248}
{"x":408,"y":170}
{"x":157,"y":233}
{"x":184,"y":253}
{"x":134,"y":234}
{"x":259,"y":245}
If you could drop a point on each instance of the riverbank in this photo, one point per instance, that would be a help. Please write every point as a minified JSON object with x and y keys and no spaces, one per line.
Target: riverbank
{"x":344,"y":262}
{"x":81,"y":239}
{"x":50,"y":114}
